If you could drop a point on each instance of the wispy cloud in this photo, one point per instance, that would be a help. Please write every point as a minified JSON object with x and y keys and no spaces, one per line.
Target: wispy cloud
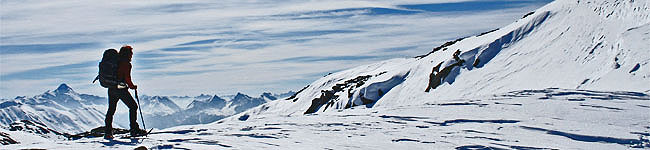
{"x":192,"y":47}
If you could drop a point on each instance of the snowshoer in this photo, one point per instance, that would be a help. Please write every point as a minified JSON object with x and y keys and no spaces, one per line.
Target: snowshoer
{"x":121,"y":92}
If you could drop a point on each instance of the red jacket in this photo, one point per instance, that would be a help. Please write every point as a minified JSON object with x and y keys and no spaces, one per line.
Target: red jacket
{"x":124,"y":73}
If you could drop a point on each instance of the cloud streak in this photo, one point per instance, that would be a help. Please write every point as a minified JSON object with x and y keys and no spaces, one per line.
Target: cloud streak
{"x":192,"y":47}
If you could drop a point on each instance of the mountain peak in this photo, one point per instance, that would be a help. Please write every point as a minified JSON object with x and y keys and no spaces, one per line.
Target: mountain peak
{"x":215,"y":97}
{"x":241,"y":96}
{"x":268,"y":95}
{"x":63,"y":88}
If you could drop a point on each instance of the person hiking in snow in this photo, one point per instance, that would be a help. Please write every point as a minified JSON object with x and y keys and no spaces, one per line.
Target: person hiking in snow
{"x":121,"y":92}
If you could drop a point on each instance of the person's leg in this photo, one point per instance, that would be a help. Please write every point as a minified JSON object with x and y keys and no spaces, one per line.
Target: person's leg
{"x":133,"y":108}
{"x":112,"y":105}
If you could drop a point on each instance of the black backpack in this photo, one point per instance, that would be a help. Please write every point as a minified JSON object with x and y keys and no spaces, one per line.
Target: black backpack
{"x":108,"y":69}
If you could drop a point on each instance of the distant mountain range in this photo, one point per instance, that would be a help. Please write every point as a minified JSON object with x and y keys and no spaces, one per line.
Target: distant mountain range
{"x":67,"y":111}
{"x":203,"y":109}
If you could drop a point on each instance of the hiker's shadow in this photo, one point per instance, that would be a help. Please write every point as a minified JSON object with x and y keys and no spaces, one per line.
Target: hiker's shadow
{"x":113,"y":142}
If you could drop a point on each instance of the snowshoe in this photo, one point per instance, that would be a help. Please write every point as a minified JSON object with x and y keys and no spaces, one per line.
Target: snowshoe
{"x":138,"y":132}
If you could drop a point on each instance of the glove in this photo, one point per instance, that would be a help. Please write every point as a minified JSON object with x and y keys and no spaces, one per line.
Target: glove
{"x":121,"y":85}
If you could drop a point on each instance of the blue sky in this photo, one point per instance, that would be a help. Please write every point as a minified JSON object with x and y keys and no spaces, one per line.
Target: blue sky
{"x":224,"y":47}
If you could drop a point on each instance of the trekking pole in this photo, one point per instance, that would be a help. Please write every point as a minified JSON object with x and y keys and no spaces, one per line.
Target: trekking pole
{"x":140,"y":108}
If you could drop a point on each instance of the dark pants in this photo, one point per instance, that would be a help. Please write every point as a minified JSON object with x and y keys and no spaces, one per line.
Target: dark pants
{"x":115,"y":95}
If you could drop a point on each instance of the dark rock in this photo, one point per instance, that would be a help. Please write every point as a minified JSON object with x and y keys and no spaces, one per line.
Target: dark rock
{"x":296,"y":94}
{"x":528,"y":14}
{"x":440,"y":47}
{"x":328,"y":96}
{"x":35,"y":127}
{"x":484,"y":33}
{"x":436,"y":77}
{"x":434,"y":80}
{"x":6,"y":140}
{"x":636,"y":67}
{"x":243,"y":117}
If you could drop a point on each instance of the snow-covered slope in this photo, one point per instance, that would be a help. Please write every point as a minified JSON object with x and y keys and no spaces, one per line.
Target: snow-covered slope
{"x":586,"y":44}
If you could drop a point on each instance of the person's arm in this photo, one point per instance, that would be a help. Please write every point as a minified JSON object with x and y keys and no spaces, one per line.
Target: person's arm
{"x":127,"y":76}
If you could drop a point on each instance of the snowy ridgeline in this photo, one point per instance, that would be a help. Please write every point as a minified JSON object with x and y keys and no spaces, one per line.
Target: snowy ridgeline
{"x":596,"y":45}
{"x":571,"y":44}
{"x":571,"y":75}
{"x":67,"y":111}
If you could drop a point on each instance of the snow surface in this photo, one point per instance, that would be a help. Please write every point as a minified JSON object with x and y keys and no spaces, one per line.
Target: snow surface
{"x":546,"y":119}
{"x":571,"y":75}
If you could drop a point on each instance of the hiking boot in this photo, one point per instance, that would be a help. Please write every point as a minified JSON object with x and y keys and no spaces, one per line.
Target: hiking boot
{"x":138,"y":132}
{"x":108,"y":133}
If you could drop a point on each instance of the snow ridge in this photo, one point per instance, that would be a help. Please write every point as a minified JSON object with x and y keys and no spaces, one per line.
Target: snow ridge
{"x":592,"y":44}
